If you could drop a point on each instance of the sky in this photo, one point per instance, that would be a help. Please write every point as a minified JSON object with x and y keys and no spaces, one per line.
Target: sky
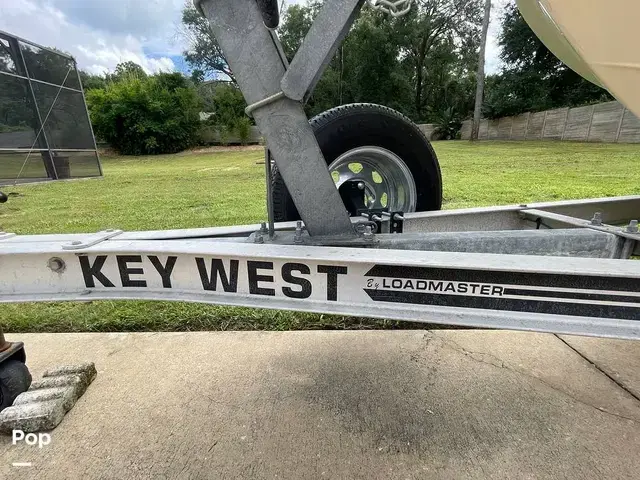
{"x":102,"y":33}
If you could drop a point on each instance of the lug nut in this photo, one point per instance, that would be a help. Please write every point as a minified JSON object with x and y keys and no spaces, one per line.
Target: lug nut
{"x":361,"y":185}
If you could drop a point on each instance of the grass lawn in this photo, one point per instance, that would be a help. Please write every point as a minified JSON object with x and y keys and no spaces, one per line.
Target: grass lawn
{"x":226,"y":188}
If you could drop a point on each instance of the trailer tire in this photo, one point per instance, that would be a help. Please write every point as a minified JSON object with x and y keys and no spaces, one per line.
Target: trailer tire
{"x":349,"y":127}
{"x":14,"y":379}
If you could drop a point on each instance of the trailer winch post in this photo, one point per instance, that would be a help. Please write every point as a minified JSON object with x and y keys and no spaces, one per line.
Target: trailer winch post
{"x":253,"y":56}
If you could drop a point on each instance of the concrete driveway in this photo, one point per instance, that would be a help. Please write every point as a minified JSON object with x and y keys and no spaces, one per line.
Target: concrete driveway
{"x":312,"y":405}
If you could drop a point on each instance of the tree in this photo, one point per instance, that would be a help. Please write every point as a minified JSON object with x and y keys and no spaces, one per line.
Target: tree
{"x":294,"y":27}
{"x":367,"y":68}
{"x":127,"y":69}
{"x":436,"y":25}
{"x":197,"y":76}
{"x":477,"y":111}
{"x":533,"y":78}
{"x":204,"y":53}
{"x":146,"y":115}
{"x":228,"y":104}
{"x":91,"y":82}
{"x":422,"y":64}
{"x":370,"y":63}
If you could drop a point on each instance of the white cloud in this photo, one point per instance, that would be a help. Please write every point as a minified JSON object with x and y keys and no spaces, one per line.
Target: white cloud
{"x":102,"y":33}
{"x":98,"y":33}
{"x":121,"y":16}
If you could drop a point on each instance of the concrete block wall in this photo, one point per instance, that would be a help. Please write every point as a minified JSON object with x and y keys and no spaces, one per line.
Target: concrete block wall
{"x":608,"y":122}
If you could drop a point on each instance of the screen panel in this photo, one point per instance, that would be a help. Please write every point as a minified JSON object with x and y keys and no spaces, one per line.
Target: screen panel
{"x":76,"y":164}
{"x":48,"y":66}
{"x":20,"y":167}
{"x":18,"y":125}
{"x":65,"y":118}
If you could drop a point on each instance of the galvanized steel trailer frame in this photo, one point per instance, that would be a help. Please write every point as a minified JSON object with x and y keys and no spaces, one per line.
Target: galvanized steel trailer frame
{"x":554,"y":267}
{"x":451,"y":277}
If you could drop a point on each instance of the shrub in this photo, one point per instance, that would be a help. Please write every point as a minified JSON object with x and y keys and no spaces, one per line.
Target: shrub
{"x":243,"y":130}
{"x":224,"y":135}
{"x":228,"y":105}
{"x":21,"y":127}
{"x":448,"y":125}
{"x":208,"y":135}
{"x":141,"y":115}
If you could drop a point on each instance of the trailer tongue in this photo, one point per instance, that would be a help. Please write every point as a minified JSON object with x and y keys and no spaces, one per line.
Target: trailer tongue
{"x":511,"y":269}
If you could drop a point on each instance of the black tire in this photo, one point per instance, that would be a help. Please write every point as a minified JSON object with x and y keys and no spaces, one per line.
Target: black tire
{"x":365,"y":124}
{"x":14,"y":379}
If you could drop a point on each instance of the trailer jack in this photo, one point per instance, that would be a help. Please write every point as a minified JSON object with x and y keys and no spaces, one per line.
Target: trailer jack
{"x":14,"y":375}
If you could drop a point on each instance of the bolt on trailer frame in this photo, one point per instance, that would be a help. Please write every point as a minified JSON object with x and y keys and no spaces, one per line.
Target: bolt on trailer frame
{"x":553,"y":267}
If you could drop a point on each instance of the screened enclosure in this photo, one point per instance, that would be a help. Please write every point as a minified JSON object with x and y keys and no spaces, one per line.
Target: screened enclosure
{"x":45,"y":132}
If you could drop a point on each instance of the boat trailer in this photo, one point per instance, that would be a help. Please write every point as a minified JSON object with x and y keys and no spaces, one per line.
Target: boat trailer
{"x":561,"y":267}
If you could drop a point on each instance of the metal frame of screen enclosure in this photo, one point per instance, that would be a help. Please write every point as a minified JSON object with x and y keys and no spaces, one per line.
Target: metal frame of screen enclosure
{"x":45,"y":130}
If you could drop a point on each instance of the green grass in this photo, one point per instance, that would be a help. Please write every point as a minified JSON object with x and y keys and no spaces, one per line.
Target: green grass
{"x":144,"y":193}
{"x":198,"y":190}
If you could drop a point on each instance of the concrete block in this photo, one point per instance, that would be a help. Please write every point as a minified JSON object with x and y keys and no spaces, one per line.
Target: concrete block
{"x":465,"y":132}
{"x":630,"y":128}
{"x":67,"y":394}
{"x":554,"y":124}
{"x":44,"y":405}
{"x":428,"y":129}
{"x":493,"y":129}
{"x":85,"y":370}
{"x":578,"y":122}
{"x":536,"y":123}
{"x":519,"y":127}
{"x":504,"y":128}
{"x":53,"y":382}
{"x":32,"y":417}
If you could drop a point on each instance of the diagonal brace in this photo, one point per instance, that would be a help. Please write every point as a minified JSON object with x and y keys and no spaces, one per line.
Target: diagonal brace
{"x":254,"y":58}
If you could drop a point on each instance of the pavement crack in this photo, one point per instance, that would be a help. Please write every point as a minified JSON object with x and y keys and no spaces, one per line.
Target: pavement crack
{"x":479,"y":356}
{"x":597,"y":367}
{"x":497,"y":362}
{"x":184,"y":467}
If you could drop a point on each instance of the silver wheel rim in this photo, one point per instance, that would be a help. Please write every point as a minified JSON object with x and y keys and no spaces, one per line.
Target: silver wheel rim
{"x":388,"y":182}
